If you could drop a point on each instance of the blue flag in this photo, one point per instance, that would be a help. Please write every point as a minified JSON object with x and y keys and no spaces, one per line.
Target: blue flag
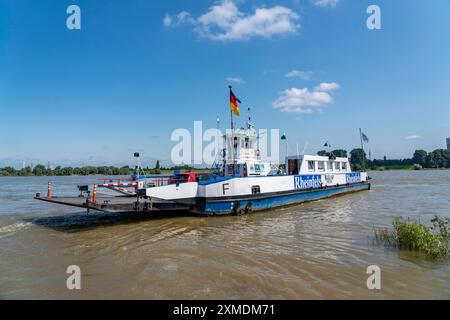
{"x":364,"y":138}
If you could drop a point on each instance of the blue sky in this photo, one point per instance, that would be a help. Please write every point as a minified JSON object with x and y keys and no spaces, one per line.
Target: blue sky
{"x":139,"y":69}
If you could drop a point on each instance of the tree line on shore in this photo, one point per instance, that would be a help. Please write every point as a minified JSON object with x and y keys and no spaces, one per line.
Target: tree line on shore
{"x":41,"y":170}
{"x":439,"y":158}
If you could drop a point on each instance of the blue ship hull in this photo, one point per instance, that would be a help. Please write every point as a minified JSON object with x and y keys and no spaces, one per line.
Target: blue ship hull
{"x":240,"y":205}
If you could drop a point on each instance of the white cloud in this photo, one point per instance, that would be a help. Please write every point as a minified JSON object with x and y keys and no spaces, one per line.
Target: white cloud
{"x":167,"y":20}
{"x":413,"y":137}
{"x":235,"y":80}
{"x":183,"y":17}
{"x":224,"y":22}
{"x":305,"y":75}
{"x":325,"y":3}
{"x":327,"y":86}
{"x":302,"y":100}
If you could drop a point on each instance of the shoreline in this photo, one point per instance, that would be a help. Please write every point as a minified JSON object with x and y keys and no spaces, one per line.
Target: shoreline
{"x":412,"y":168}
{"x":170,"y":172}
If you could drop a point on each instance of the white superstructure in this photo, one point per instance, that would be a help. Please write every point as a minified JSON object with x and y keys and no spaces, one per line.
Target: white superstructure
{"x":247,"y":181}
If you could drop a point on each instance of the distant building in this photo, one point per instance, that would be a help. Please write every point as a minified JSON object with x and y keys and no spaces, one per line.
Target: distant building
{"x":448,"y":143}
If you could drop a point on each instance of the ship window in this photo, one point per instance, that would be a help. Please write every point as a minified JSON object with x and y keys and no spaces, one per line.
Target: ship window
{"x":256,"y":189}
{"x":337,"y":166}
{"x":344,"y":165}
{"x":311,"y":165}
{"x":330,"y":166}
{"x":204,"y":177}
{"x":321,"y":166}
{"x":259,"y":168}
{"x":247,"y":146}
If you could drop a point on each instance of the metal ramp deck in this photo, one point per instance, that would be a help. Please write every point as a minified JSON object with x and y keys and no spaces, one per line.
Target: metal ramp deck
{"x":118,"y":204}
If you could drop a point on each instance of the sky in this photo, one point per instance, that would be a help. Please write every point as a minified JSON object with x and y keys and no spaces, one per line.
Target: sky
{"x":137,"y":70}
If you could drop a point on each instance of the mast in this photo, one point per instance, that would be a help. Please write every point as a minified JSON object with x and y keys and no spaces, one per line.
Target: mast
{"x":138,"y":164}
{"x":364,"y":154}
{"x":360,"y":137}
{"x":217,"y":160}
{"x":232,"y":137}
{"x":249,"y":119}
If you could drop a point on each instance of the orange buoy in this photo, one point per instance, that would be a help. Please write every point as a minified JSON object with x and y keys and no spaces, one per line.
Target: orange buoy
{"x":49,"y":190}
{"x":94,"y":194}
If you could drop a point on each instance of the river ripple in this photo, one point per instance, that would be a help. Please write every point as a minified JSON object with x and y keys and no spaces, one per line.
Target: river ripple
{"x":315,"y":250}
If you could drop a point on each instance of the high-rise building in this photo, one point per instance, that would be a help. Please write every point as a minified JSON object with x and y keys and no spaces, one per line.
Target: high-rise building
{"x":448,"y":143}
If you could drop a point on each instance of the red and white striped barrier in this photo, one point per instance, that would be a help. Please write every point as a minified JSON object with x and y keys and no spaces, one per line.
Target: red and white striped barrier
{"x":119,"y":184}
{"x":122,"y":190}
{"x":127,"y":187}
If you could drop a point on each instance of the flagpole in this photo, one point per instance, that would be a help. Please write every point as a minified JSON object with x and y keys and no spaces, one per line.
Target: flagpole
{"x":218,"y":142}
{"x":362,"y":147}
{"x":360,"y":137}
{"x":232,"y":137}
{"x":231,"y":113}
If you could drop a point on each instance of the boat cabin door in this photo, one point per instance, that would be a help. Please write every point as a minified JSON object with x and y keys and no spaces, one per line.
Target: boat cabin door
{"x":292,"y":166}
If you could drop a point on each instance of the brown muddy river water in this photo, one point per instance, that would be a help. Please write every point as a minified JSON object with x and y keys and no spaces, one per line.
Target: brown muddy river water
{"x":318,"y":250}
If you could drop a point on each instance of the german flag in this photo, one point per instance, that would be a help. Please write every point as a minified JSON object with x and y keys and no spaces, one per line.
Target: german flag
{"x":234,"y":103}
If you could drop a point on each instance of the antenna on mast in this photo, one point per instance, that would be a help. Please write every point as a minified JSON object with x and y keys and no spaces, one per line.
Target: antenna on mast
{"x":218,"y":142}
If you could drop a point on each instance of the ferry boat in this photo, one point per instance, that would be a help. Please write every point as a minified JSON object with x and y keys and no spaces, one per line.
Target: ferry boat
{"x":243,"y":183}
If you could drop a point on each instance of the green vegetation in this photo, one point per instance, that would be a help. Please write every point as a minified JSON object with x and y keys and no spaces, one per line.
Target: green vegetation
{"x":357,"y":159}
{"x":395,"y":167}
{"x":420,"y":157}
{"x":411,"y":234}
{"x":157,"y":167}
{"x":41,"y":170}
{"x":437,"y":159}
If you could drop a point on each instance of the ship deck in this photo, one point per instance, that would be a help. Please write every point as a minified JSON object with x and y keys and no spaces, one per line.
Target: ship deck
{"x":118,"y":204}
